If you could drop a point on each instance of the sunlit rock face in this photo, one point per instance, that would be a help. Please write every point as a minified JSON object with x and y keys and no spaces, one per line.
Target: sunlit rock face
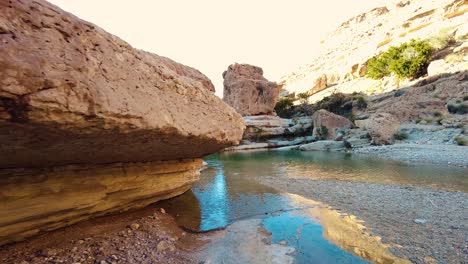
{"x":71,"y":93}
{"x":354,"y":42}
{"x":247,"y":91}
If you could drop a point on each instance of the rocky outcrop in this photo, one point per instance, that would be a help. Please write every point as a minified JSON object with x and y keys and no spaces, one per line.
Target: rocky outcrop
{"x":264,"y":126}
{"x":71,"y":93}
{"x":382,"y":128}
{"x":331,"y":122}
{"x":38,"y":200}
{"x":324,"y":145}
{"x":247,"y":91}
{"x":350,"y":46}
{"x":76,"y":94}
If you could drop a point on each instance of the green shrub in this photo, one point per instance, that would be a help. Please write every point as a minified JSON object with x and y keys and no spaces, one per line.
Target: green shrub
{"x":409,"y":60}
{"x":461,"y":141}
{"x":361,"y":103}
{"x":401,"y":136}
{"x":303,"y":97}
{"x":284,"y":106}
{"x":457,"y":108}
{"x":337,"y":103}
{"x":322,"y":133}
{"x":441,"y":40}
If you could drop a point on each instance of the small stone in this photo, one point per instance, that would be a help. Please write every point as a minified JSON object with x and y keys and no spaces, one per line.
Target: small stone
{"x":283,"y":242}
{"x":81,"y":241}
{"x":420,"y":221}
{"x":162,"y":210}
{"x":164,"y":245}
{"x":134,"y":226}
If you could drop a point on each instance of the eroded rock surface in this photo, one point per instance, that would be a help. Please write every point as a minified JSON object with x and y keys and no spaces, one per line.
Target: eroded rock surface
{"x":72,"y":93}
{"x":324,"y":119}
{"x":132,"y":124}
{"x":38,"y":200}
{"x":382,"y":128}
{"x":247,"y":91}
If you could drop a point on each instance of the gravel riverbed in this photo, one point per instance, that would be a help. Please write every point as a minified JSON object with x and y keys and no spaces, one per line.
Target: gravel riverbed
{"x":431,"y":226}
{"x":442,"y":154}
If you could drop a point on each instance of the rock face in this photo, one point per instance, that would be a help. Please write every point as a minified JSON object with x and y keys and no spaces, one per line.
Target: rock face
{"x":265,"y":126}
{"x":382,"y":128}
{"x":38,"y":200}
{"x":351,"y":45}
{"x":332,"y":122}
{"x":71,"y":93}
{"x":247,"y":91}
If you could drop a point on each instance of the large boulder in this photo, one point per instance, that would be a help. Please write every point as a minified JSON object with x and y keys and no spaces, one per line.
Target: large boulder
{"x":72,"y":93}
{"x":247,"y":91}
{"x":90,"y":125}
{"x":326,"y":124}
{"x":382,"y":128}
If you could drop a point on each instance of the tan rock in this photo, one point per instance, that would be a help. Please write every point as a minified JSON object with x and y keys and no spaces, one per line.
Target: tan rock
{"x":361,"y":123}
{"x":323,"y":145}
{"x":73,"y":93}
{"x":382,"y":128}
{"x":39,"y":200}
{"x":320,"y":84}
{"x":323,"y":118}
{"x":247,"y":91}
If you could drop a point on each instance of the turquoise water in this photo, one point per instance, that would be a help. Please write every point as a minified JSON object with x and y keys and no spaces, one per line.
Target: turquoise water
{"x":311,"y":246}
{"x":227,"y":192}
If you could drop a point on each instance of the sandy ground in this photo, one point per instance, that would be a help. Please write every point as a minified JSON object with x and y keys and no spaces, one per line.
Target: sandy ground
{"x":142,"y":236}
{"x":430,"y":225}
{"x":436,"y":154}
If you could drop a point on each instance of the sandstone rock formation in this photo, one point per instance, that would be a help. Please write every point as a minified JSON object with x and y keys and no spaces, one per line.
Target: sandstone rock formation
{"x":350,"y":46}
{"x":71,"y":93}
{"x":382,"y":128}
{"x":265,"y":126}
{"x":247,"y":91}
{"x":332,"y":122}
{"x":38,"y":200}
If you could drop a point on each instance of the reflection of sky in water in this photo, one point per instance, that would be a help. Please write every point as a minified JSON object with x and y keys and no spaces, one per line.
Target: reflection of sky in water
{"x":306,"y":236}
{"x":227,"y":192}
{"x":214,"y":201}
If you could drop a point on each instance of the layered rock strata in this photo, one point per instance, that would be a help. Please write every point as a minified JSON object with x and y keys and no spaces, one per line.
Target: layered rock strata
{"x":71,"y":93}
{"x":38,"y":200}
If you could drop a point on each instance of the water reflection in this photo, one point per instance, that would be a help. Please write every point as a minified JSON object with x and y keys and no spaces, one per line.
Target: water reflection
{"x":307,"y":237}
{"x":214,"y":201}
{"x":227,"y":192}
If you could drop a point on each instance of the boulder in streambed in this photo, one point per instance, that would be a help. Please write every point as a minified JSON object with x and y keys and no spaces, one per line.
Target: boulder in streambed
{"x":247,"y":91}
{"x":326,"y":124}
{"x":382,"y":128}
{"x":91,"y":126}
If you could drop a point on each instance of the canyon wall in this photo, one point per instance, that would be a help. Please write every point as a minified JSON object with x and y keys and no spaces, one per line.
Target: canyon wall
{"x":341,"y":65}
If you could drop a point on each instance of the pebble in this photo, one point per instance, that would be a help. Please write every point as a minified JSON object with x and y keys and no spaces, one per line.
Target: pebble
{"x":164,"y":245}
{"x":134,"y":226}
{"x":420,"y":221}
{"x":162,"y":210}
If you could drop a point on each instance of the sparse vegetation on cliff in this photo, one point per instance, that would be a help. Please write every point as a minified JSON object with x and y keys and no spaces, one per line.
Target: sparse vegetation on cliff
{"x":461,"y":141}
{"x":409,"y":60}
{"x":284,"y":107}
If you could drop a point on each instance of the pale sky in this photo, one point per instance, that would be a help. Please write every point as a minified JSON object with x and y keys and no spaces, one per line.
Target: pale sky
{"x":209,"y":35}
